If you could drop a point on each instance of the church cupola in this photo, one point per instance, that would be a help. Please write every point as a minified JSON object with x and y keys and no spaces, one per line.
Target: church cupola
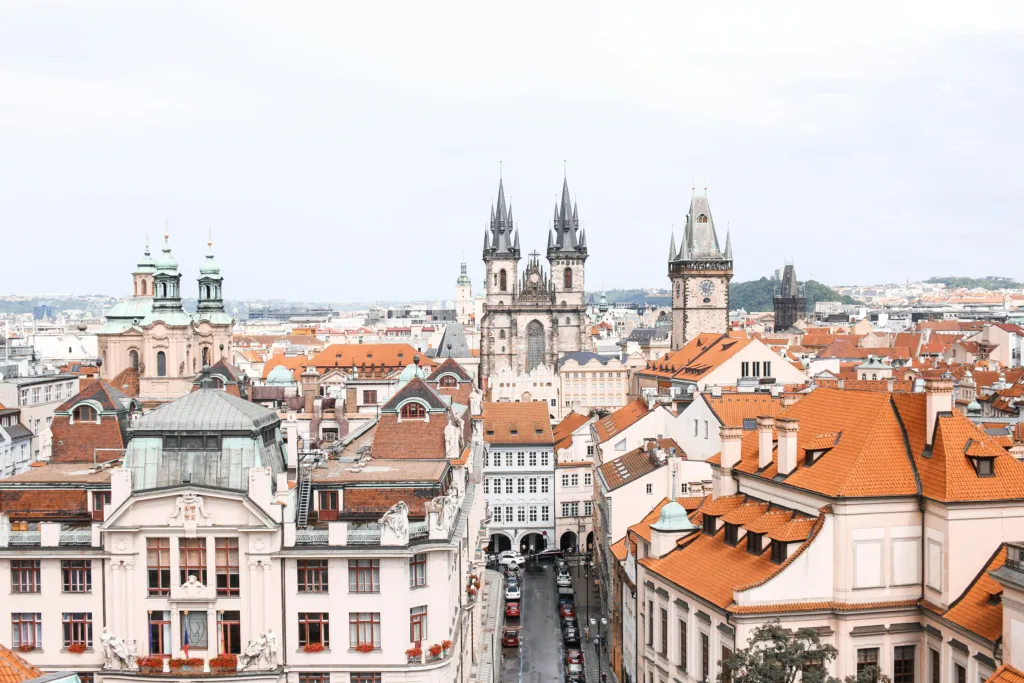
{"x":166,"y":280}
{"x":210,"y":282}
{"x":143,"y":275}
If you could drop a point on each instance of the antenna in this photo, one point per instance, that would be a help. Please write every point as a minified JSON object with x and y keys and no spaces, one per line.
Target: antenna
{"x":499,"y":169}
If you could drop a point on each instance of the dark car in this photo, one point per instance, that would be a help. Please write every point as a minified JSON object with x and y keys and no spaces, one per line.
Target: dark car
{"x":566,"y":610}
{"x":512,"y":609}
{"x":566,"y":594}
{"x":574,"y":672}
{"x":570,"y":622}
{"x":573,"y":656}
{"x":549,"y":554}
{"x":510,"y":637}
{"x":574,"y":677}
{"x":571,"y":635}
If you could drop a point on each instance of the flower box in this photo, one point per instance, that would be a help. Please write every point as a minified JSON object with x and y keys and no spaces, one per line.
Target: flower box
{"x":76,"y":648}
{"x":364,"y":647}
{"x":192,"y":664}
{"x":314,"y":647}
{"x":447,"y":644}
{"x":26,"y":648}
{"x":224,"y":663}
{"x":435,"y":651}
{"x":149,"y":665}
{"x":413,"y":654}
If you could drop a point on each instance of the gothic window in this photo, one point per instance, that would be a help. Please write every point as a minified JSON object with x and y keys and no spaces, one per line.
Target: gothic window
{"x":503,"y":280}
{"x":702,"y":218}
{"x":133,"y":359}
{"x":413,"y":411}
{"x":534,"y":345}
{"x":161,"y":362}
{"x":677,"y":289}
{"x":567,"y":278}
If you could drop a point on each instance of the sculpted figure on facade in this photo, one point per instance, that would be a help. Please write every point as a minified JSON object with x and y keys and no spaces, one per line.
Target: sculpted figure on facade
{"x":452,"y":440}
{"x":255,"y":653}
{"x":395,"y":525}
{"x":476,"y":402}
{"x":117,"y":654}
{"x":188,"y":509}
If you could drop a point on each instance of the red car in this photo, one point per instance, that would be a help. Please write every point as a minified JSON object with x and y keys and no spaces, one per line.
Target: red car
{"x":566,"y":610}
{"x":573,"y":657}
{"x":512,"y":609}
{"x":510,"y":637}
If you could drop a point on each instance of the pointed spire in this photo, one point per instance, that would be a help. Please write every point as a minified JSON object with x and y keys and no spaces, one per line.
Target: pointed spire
{"x":684,"y":249}
{"x":575,"y":216}
{"x":672,"y":248}
{"x":516,"y":247}
{"x":486,"y":242}
{"x":551,"y":239}
{"x":583,"y":239}
{"x":728,"y":244}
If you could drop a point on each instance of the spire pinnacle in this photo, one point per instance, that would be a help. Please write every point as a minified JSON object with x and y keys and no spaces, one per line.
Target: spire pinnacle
{"x":672,"y":246}
{"x":728,"y":243}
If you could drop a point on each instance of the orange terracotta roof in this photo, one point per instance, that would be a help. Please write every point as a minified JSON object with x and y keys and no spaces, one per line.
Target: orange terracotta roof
{"x":517,"y":423}
{"x":722,"y":505}
{"x":14,"y":669}
{"x":294,"y":363}
{"x":798,"y":529}
{"x":629,"y":467}
{"x":621,"y":419}
{"x":745,"y":513}
{"x":563,"y":430}
{"x":973,"y":610}
{"x":819,"y":606}
{"x":392,"y":356}
{"x":1006,"y":674}
{"x":702,"y":355}
{"x":619,"y":549}
{"x":769,"y":521}
{"x":733,"y":408}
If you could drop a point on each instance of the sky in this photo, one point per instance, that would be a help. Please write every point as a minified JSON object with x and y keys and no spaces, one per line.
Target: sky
{"x":350,"y":151}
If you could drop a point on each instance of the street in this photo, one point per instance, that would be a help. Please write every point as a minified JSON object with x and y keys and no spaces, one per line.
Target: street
{"x":540,"y":654}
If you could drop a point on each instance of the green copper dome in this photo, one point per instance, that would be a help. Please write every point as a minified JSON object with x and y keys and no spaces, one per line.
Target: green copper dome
{"x":146,"y":264}
{"x":673,"y":518}
{"x":209,"y":267}
{"x":463,"y":278}
{"x":166,"y":262}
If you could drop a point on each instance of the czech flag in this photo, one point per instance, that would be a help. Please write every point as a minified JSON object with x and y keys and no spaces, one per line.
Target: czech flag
{"x":185,"y":633}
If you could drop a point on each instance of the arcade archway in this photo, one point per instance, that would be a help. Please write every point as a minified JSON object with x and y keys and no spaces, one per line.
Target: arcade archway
{"x":590,"y":542}
{"x":533,"y":543}
{"x":568,"y":541}
{"x":499,"y":543}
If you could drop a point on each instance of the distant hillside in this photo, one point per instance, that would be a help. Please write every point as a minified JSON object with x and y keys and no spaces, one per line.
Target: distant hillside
{"x":991,"y":282}
{"x":756,"y":295}
{"x":659,"y":297}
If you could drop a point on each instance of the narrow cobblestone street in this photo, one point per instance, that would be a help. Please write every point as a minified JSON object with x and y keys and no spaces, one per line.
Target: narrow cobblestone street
{"x":540,"y":653}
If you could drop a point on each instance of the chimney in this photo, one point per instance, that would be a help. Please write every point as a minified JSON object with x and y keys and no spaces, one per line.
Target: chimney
{"x":716,"y":391}
{"x":787,"y":428}
{"x":789,"y":399}
{"x":732,"y":441}
{"x":764,"y":441}
{"x":938,"y":398}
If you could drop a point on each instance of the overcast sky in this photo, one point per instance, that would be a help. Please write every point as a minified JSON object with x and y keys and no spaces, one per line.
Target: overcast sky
{"x":350,"y":151}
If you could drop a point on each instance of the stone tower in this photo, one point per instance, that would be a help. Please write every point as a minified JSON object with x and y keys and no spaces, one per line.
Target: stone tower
{"x":567,"y":252}
{"x":700,"y":273}
{"x":790,"y":302}
{"x":463,"y":298}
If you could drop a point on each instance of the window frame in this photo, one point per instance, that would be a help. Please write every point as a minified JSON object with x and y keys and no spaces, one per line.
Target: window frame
{"x":26,"y":623}
{"x":318,"y":620}
{"x":364,"y":575}
{"x":26,"y":579}
{"x":417,"y":624}
{"x":192,"y":558}
{"x":161,"y":545}
{"x":76,"y":576}
{"x":358,"y":624}
{"x":225,"y":627}
{"x":418,"y":570}
{"x":224,"y":548}
{"x":312,"y":575}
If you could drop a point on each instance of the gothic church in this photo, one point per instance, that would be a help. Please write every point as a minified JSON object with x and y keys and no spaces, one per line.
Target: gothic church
{"x":534,"y":318}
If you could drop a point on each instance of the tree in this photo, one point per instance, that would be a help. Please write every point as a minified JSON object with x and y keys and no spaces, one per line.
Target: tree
{"x":776,"y":655}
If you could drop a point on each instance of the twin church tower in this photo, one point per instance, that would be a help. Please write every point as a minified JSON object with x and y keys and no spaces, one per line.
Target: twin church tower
{"x":535,"y":317}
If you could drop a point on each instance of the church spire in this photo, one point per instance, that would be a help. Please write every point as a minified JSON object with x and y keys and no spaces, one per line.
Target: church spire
{"x":728,"y":245}
{"x":566,"y":226}
{"x":702,"y":241}
{"x":500,"y":243}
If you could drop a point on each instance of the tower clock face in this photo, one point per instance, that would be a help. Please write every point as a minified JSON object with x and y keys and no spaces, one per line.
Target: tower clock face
{"x":707,"y":288}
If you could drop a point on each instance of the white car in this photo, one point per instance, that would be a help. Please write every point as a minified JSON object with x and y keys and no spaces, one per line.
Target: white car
{"x":513,"y":593}
{"x":509,"y":557}
{"x":563,"y":580}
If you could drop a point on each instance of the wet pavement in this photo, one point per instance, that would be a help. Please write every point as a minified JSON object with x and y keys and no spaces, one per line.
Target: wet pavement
{"x":540,"y":654}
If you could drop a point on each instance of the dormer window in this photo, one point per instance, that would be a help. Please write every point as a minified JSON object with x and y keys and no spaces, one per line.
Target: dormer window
{"x":812,"y":456}
{"x":84,"y":414}
{"x":754,"y":541}
{"x":983,"y":467}
{"x":448,"y":381}
{"x":710,"y":524}
{"x":413,"y":411}
{"x":702,"y":218}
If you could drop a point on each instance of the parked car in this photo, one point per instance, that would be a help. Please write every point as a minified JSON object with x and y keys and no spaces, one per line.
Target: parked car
{"x":570,"y":622}
{"x":574,"y":677}
{"x":571,"y":635}
{"x":510,"y":637}
{"x":566,"y":610}
{"x":574,"y":672}
{"x":563,"y":580}
{"x":549,"y":554}
{"x":565,"y":594}
{"x":512,"y":609}
{"x":511,"y":557}
{"x":512,"y":580}
{"x":513,"y":592}
{"x":573,"y":656}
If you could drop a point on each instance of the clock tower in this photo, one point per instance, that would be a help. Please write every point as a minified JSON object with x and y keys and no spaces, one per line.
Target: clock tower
{"x":700,"y":273}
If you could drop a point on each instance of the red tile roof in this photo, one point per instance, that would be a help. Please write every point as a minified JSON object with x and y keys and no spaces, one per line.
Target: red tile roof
{"x":973,"y":610}
{"x":14,"y":669}
{"x":517,"y":423}
{"x":621,"y":419}
{"x":563,"y":430}
{"x":1006,"y":674}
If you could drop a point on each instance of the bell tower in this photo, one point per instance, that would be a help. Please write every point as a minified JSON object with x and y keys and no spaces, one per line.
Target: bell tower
{"x":700,"y":273}
{"x":567,"y":252}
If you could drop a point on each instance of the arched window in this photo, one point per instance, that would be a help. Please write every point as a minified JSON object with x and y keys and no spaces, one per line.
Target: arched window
{"x":218,"y":383}
{"x":567,"y":278}
{"x":874,"y":375}
{"x":161,"y":363}
{"x":413,"y":411}
{"x":503,"y":280}
{"x":677,"y":289}
{"x":448,"y":381}
{"x":84,"y":414}
{"x":206,"y":288}
{"x":702,"y":218}
{"x":501,"y":334}
{"x":163,"y":289}
{"x":534,"y":345}
{"x":143,"y":283}
{"x":206,"y":355}
{"x":133,"y":359}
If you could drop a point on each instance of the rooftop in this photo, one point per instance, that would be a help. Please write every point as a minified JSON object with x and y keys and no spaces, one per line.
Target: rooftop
{"x":517,"y":423}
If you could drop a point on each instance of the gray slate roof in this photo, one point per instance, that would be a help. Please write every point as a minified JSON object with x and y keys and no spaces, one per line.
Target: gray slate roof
{"x":154,"y":467}
{"x":207,"y":410}
{"x":453,"y":343}
{"x":584,"y":357}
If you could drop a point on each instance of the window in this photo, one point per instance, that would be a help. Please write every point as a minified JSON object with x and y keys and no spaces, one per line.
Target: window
{"x":984,"y":467}
{"x":521,"y":485}
{"x":544,"y":513}
{"x":745,"y":369}
{"x":959,"y":673}
{"x":25,"y":576}
{"x":650,"y":489}
{"x":508,"y":459}
{"x":227,"y":566}
{"x":509,"y":513}
{"x":779,"y":552}
{"x":77,"y":575}
{"x":533,"y":484}
{"x":767,"y":365}
{"x":533,"y":513}
{"x":574,"y":480}
{"x":86,"y":677}
{"x":508,"y":485}
{"x":682,"y":644}
{"x":418,"y":568}
{"x":544,"y":485}
{"x":161,"y":364}
{"x":544,"y":459}
{"x":565,"y":480}
{"x":487,"y":459}
{"x":158,"y":562}
{"x":567,"y":278}
{"x":413,"y":411}
{"x":313,"y":576}
{"x":588,"y":479}
{"x":26,"y":630}
{"x":705,"y":656}
{"x":369,"y":396}
{"x":590,"y":451}
{"x":418,"y":624}
{"x":867,"y":657}
{"x":496,"y":513}
{"x":314,"y":628}
{"x":229,"y":633}
{"x":364,"y":576}
{"x":520,"y":513}
{"x":99,"y":499}
{"x":364,"y":629}
{"x":664,"y":631}
{"x":159,"y":632}
{"x":503,"y":280}
{"x":317,"y":677}
{"x":328,"y":509}
{"x":726,"y":673}
{"x":588,"y":508}
{"x":487,"y":485}
{"x":731,"y":534}
{"x":650,"y":623}
{"x":757,"y":368}
{"x":364,"y":678}
{"x":133,"y":355}
{"x":194,"y":628}
{"x":84,"y":414}
{"x":520,"y":459}
{"x":533,"y":459}
{"x":192,"y":559}
{"x":936,"y":665}
{"x":903,"y":664}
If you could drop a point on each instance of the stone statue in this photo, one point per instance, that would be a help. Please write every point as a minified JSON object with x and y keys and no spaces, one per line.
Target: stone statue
{"x":181,"y":369}
{"x":188,"y":509}
{"x":116,"y":652}
{"x":142,"y":367}
{"x":452,"y":442}
{"x":394,"y":525}
{"x":192,"y":588}
{"x":271,"y":648}
{"x":255,"y":651}
{"x":476,"y":402}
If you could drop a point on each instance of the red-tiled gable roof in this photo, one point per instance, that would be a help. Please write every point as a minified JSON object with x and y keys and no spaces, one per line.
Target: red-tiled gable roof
{"x":619,"y":549}
{"x":449,"y":366}
{"x":909,"y":340}
{"x":1009,"y":327}
{"x":14,"y":669}
{"x":102,"y":393}
{"x":392,"y":356}
{"x":732,"y":409}
{"x":950,"y":325}
{"x":624,"y":417}
{"x":271,"y":339}
{"x":695,"y":360}
{"x":818,"y":340}
{"x":1006,"y":674}
{"x":843,"y":349}
{"x":79,"y":442}
{"x":563,"y":430}
{"x":33,"y":504}
{"x":127,"y":382}
{"x":629,"y":467}
{"x":895,"y":384}
{"x":517,"y":423}
{"x":797,"y":529}
{"x":974,"y":610}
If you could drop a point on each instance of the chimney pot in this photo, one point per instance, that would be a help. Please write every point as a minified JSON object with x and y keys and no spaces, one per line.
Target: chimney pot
{"x":787,"y":428}
{"x":765,"y":441}
{"x":938,"y":398}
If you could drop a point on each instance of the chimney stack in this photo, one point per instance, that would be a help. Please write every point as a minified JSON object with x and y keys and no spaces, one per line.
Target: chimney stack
{"x":732,"y":442}
{"x":787,"y":428}
{"x":938,"y":398}
{"x":789,"y":399}
{"x":765,"y":441}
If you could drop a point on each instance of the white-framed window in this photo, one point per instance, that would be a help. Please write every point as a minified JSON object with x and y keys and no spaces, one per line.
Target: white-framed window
{"x":544,"y":485}
{"x":521,"y":485}
{"x":487,"y":485}
{"x":588,"y":479}
{"x":533,"y":513}
{"x":574,"y":480}
{"x":565,"y":509}
{"x":590,"y":451}
{"x":533,"y":459}
{"x":545,"y":513}
{"x":508,"y":459}
{"x":508,"y":485}
{"x":650,"y":489}
{"x":588,"y":508}
{"x":520,"y":513}
{"x":520,"y":459}
{"x":509,"y":512}
{"x":565,"y":480}
{"x":544,"y":459}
